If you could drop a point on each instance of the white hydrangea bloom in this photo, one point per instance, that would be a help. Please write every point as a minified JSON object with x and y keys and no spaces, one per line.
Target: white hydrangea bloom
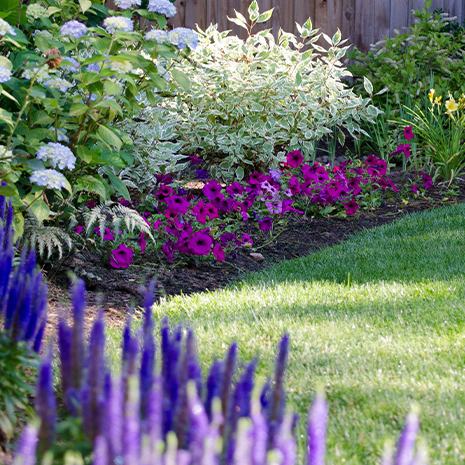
{"x":118,"y":24}
{"x":51,"y":179}
{"x":5,"y":74}
{"x":5,"y":153}
{"x":58,"y":83}
{"x":40,"y":74}
{"x":157,"y":35}
{"x":36,"y":11}
{"x":125,"y":4}
{"x":183,"y":37}
{"x":5,"y":28}
{"x":58,"y":155}
{"x":162,"y":7}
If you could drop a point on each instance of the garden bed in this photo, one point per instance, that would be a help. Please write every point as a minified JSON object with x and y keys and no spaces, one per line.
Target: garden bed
{"x":118,"y":290}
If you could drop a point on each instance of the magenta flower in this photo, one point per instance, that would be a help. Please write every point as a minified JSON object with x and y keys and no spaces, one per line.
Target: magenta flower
{"x":414,"y":188}
{"x":266,"y":224}
{"x":427,"y":181}
{"x":218,"y":253}
{"x":408,"y":133}
{"x":107,"y":234}
{"x":294,"y":185}
{"x":194,"y":159}
{"x":121,"y":257}
{"x":256,"y":179}
{"x":235,"y":189}
{"x":164,"y":191}
{"x":91,"y":204}
{"x":200,"y":243}
{"x":351,"y":207}
{"x":79,"y":229}
{"x":177,"y":204}
{"x":404,"y":149}
{"x":294,"y":159}
{"x":212,"y":189}
{"x":168,"y":251}
{"x":124,"y":202}
{"x":247,"y":240}
{"x":142,"y":241}
{"x":156,"y":225}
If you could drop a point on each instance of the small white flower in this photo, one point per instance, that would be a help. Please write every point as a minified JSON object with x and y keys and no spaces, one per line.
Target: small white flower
{"x":51,"y":179}
{"x":5,"y":28}
{"x":162,"y":7}
{"x":183,"y":37}
{"x":58,"y":155}
{"x":73,"y":29}
{"x":157,"y":35}
{"x":5,"y":74}
{"x":118,"y":24}
{"x":125,"y":4}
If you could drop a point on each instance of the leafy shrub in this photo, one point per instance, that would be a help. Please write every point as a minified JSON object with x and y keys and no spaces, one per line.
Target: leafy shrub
{"x":22,"y":323}
{"x":70,"y":71}
{"x":249,"y":100}
{"x":404,"y":67}
{"x":440,"y":130}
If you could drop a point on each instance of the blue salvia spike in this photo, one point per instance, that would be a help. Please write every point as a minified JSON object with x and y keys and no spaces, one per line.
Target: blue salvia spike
{"x":45,"y":405}
{"x":229,"y":370}
{"x":27,"y":446}
{"x":199,"y":425}
{"x":214,"y":385}
{"x":114,"y":418}
{"x":38,"y":338}
{"x":259,"y":434}
{"x":155,"y":412}
{"x":285,"y":441}
{"x":65,"y":341}
{"x":406,"y":444}
{"x":77,"y":348}
{"x":316,"y":433}
{"x":100,"y":456}
{"x":95,"y":378}
{"x":243,"y":444}
{"x":131,"y":425}
{"x":278,"y":400}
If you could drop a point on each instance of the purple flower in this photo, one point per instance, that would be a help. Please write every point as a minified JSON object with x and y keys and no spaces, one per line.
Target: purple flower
{"x":351,"y":207}
{"x":265,"y":224}
{"x":121,"y":257}
{"x":218,"y":253}
{"x":79,"y":229}
{"x":177,"y":204}
{"x":26,"y":452}
{"x":235,"y":188}
{"x":294,"y":159}
{"x":201,"y":174}
{"x":408,"y":133}
{"x":194,"y":159}
{"x":317,"y":426}
{"x":406,"y":444}
{"x":200,"y":243}
{"x":212,"y":190}
{"x":73,"y":29}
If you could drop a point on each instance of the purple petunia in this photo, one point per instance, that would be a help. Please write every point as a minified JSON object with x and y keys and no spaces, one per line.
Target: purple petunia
{"x":200,"y":243}
{"x":121,"y":257}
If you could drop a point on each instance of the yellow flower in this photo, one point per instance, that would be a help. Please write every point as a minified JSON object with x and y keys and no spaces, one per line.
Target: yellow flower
{"x":438,"y":101}
{"x":462,"y":102}
{"x":451,"y":105}
{"x":431,"y":95}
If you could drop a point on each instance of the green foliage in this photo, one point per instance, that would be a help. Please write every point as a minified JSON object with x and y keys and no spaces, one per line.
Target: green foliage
{"x":17,"y":366}
{"x":72,"y":91}
{"x":250,"y":101}
{"x":406,"y":66}
{"x":440,"y":130}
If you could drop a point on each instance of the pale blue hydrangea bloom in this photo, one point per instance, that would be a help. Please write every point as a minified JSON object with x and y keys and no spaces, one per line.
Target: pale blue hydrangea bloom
{"x":118,"y":24}
{"x":125,"y":4}
{"x":157,"y":35}
{"x":5,"y":28}
{"x":58,"y":155}
{"x":70,"y":64}
{"x":94,"y":67}
{"x":5,"y":74}
{"x":73,"y":29}
{"x":58,"y":83}
{"x":51,"y":179}
{"x":183,"y":37}
{"x":162,"y":7}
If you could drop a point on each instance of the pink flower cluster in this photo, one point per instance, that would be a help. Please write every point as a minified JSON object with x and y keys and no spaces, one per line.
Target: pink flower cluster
{"x":219,"y":218}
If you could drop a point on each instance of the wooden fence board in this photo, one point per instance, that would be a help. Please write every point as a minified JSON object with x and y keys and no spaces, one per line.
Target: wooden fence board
{"x":362,"y":21}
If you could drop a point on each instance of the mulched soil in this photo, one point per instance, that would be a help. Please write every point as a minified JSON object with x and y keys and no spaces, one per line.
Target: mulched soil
{"x":120,"y":290}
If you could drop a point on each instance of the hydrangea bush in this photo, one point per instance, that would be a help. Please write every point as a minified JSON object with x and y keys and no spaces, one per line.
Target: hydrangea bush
{"x":249,"y":101}
{"x":69,"y":72}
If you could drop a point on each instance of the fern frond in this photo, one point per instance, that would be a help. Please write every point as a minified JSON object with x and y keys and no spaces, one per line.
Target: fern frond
{"x":46,"y":240}
{"x":115,"y":215}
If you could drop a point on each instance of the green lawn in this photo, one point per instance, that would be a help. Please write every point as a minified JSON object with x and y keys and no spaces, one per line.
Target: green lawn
{"x":378,"y":320}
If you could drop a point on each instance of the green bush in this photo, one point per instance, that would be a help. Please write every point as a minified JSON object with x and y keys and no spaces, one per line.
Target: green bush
{"x":249,"y":101}
{"x":404,"y":67}
{"x":70,"y":71}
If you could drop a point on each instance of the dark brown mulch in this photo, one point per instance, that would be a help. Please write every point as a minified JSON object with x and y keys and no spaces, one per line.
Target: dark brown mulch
{"x":116,"y":290}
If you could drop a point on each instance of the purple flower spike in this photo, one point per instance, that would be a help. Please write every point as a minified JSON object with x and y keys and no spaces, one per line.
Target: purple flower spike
{"x":45,"y":405}
{"x":100,"y":452}
{"x":317,"y":426}
{"x":26,"y":452}
{"x":286,"y":442}
{"x":406,"y":444}
{"x":131,"y":426}
{"x":114,"y":418}
{"x":260,"y":434}
{"x":77,"y":346}
{"x":198,"y":422}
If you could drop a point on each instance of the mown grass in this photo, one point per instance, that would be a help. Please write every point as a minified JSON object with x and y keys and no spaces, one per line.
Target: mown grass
{"x":379,"y":321}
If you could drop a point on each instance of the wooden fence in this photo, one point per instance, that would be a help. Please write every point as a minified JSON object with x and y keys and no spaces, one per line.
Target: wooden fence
{"x":362,"y":21}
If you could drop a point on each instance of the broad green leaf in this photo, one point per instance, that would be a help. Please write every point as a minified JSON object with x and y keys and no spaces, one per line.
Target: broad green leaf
{"x":36,"y":205}
{"x":91,"y":184}
{"x":118,"y":185}
{"x":181,"y":78}
{"x":107,"y":136}
{"x":85,"y":5}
